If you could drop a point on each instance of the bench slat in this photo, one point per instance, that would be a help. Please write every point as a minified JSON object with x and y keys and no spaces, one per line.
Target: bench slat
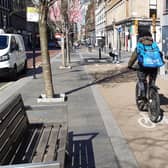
{"x":10,"y":129}
{"x":28,"y":144}
{"x":62,"y":145}
{"x":8,"y":118}
{"x":41,"y":148}
{"x":8,"y":105}
{"x":52,"y":145}
{"x":11,"y":142}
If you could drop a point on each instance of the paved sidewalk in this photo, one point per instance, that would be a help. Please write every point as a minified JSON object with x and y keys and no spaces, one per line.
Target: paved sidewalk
{"x":94,"y":137}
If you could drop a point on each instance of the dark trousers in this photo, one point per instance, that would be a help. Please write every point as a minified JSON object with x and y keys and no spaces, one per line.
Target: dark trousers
{"x":144,"y":73}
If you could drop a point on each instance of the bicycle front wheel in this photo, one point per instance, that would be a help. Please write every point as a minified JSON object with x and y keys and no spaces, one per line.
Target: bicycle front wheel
{"x":154,"y":105}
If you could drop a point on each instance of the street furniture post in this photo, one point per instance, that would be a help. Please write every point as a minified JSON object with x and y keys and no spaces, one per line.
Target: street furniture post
{"x":34,"y":52}
{"x":99,"y":53}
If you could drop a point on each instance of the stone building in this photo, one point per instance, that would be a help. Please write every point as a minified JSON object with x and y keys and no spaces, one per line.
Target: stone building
{"x":126,"y":19}
{"x":90,"y":23}
{"x":13,"y":15}
{"x":164,"y":35}
{"x":100,"y":22}
{"x":164,"y":26}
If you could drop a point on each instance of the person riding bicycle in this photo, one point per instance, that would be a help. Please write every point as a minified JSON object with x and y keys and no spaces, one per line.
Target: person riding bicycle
{"x":142,"y":72}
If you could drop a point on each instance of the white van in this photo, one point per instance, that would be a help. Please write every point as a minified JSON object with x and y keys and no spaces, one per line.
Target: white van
{"x":12,"y":55}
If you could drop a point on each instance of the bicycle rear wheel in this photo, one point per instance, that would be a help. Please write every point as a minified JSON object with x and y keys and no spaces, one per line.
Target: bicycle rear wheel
{"x":154,"y":105}
{"x":141,"y":104}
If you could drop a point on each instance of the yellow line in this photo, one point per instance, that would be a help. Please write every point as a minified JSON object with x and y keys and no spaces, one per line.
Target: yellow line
{"x":6,"y":85}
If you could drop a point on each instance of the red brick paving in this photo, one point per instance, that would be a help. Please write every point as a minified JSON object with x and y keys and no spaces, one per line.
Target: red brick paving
{"x":38,"y":60}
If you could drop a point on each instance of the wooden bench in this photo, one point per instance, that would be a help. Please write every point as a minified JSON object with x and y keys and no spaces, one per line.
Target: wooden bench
{"x":23,"y":144}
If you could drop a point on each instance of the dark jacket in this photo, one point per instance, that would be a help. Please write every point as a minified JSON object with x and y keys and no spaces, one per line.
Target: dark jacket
{"x":146,"y":40}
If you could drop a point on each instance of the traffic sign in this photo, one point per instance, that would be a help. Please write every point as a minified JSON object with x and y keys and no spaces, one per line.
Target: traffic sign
{"x":119,"y":29}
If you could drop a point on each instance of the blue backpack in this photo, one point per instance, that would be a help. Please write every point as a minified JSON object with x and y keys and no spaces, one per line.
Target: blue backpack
{"x":149,"y":55}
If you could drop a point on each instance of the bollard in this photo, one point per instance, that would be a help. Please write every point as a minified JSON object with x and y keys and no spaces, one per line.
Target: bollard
{"x":90,"y":48}
{"x":99,"y":53}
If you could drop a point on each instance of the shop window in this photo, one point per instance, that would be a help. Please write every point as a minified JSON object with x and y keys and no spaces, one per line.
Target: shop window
{"x":152,"y":8}
{"x":153,"y":11}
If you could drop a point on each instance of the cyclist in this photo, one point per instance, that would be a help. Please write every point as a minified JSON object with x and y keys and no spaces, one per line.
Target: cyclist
{"x":145,"y":38}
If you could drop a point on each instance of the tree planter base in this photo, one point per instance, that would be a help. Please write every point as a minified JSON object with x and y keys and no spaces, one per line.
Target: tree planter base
{"x":57,"y":98}
{"x":65,"y":67}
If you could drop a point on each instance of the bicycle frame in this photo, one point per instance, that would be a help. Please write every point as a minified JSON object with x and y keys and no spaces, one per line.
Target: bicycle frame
{"x":151,"y":103}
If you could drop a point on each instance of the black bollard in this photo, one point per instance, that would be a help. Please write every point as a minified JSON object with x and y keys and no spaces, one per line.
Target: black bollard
{"x":99,"y":53}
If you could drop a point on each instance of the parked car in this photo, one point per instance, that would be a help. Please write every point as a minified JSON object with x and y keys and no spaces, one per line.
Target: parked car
{"x":12,"y":55}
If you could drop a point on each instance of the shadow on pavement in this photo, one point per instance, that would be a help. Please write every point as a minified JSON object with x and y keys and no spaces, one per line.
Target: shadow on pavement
{"x":81,"y":150}
{"x":111,"y":77}
{"x":29,"y":72}
{"x":163,"y":99}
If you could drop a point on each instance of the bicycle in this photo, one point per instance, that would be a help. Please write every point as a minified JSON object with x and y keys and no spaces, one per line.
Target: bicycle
{"x":152,"y":101}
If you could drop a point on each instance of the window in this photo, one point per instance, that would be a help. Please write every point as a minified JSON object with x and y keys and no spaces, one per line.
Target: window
{"x":152,"y":8}
{"x":13,"y":44}
{"x":165,"y":8}
{"x":3,"y":42}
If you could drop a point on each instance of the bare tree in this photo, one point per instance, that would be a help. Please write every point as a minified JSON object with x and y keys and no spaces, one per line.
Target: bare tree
{"x":62,"y":26}
{"x":43,"y":10}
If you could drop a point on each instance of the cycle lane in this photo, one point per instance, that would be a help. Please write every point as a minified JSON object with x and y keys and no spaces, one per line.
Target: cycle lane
{"x":148,"y":141}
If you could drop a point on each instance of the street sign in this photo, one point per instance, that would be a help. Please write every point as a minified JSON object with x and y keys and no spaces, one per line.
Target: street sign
{"x":119,"y":29}
{"x":32,"y":14}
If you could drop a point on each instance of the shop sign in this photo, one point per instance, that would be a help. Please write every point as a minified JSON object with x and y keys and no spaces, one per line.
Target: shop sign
{"x":144,"y":23}
{"x":32,"y":14}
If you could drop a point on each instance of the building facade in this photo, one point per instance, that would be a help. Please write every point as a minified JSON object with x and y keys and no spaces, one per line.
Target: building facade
{"x":84,"y":8}
{"x":126,"y":19}
{"x":100,"y":22}
{"x":164,"y":35}
{"x":164,"y":26}
{"x":5,"y":8}
{"x":13,"y":15}
{"x":90,"y":23}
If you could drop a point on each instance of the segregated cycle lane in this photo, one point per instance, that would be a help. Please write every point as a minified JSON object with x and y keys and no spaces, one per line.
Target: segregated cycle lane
{"x":147,"y":140}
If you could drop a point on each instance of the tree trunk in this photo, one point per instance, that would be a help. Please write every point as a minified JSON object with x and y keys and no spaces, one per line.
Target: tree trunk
{"x":49,"y":91}
{"x":67,"y":44}
{"x":64,"y":8}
